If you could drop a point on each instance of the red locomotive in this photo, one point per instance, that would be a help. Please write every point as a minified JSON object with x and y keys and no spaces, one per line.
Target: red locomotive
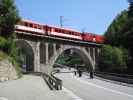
{"x":40,"y":29}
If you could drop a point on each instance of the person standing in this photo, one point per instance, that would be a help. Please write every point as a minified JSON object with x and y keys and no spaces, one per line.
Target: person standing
{"x":75,"y":72}
{"x":80,"y":73}
{"x":91,"y":74}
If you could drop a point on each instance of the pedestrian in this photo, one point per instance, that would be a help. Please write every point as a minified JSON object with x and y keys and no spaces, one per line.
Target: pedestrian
{"x":80,"y":73}
{"x":75,"y":73}
{"x":91,"y":75}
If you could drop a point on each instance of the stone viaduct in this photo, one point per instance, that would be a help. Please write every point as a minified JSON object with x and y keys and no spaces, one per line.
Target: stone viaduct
{"x":42,"y":51}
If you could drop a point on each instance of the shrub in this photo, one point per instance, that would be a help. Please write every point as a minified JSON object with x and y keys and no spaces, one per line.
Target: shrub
{"x":2,"y":55}
{"x":112,"y":59}
{"x":3,"y":43}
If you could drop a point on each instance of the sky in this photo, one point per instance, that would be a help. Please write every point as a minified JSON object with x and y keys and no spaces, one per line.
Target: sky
{"x":92,"y":16}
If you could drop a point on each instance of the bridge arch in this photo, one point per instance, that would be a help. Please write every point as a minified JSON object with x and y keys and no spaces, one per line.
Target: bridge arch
{"x":25,"y":54}
{"x":80,"y":51}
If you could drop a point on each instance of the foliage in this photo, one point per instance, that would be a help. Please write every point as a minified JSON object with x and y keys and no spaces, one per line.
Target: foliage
{"x":74,"y":60}
{"x":114,"y":34}
{"x":120,"y":33}
{"x":2,"y":55}
{"x":62,"y":59}
{"x":69,"y":59}
{"x":112,"y":58}
{"x":3,"y":42}
{"x":8,"y":18}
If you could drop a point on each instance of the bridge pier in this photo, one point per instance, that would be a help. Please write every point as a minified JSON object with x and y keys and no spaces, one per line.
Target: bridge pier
{"x":37,"y":57}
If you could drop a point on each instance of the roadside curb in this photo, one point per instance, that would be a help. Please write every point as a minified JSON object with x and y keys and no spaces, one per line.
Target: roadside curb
{"x":115,"y":82}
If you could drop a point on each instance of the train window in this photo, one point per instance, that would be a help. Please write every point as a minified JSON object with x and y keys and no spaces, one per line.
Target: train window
{"x":35,"y":26}
{"x":30,"y":25}
{"x":50,"y":29}
{"x":66,"y":32}
{"x":45,"y":28}
{"x":56,"y":30}
{"x":77,"y":34}
{"x":72,"y":33}
{"x":26,"y":24}
{"x":39,"y":27}
{"x":62,"y":31}
{"x":59,"y":30}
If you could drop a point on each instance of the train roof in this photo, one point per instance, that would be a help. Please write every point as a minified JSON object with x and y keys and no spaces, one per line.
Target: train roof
{"x":69,"y":29}
{"x":30,"y":21}
{"x":34,"y":22}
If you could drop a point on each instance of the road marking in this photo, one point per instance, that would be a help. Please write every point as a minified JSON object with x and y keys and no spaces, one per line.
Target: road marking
{"x":3,"y":98}
{"x":70,"y":93}
{"x":101,"y":87}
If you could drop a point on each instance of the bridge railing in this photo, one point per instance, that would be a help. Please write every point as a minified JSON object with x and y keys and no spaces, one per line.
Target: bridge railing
{"x":58,"y":85}
{"x":53,"y":82}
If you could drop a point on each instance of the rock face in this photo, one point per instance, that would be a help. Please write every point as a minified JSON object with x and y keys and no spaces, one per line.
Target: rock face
{"x":7,"y":71}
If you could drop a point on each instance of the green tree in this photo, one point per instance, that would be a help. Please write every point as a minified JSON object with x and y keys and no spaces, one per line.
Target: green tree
{"x":115,"y":34}
{"x":8,"y":18}
{"x":112,"y":59}
{"x":69,"y":59}
{"x":120,"y":33}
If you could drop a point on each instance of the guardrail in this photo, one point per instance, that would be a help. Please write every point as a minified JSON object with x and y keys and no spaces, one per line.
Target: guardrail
{"x":53,"y":82}
{"x":116,"y":77}
{"x":58,"y":81}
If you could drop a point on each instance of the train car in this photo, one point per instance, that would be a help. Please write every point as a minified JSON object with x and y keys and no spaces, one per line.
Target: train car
{"x":65,"y":33}
{"x":39,"y":29}
{"x":100,"y":39}
{"x":88,"y":37}
{"x":47,"y":29}
{"x":29,"y":27}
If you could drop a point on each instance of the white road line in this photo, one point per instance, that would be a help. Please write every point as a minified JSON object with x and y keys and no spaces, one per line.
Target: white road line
{"x":3,"y":98}
{"x":101,"y":87}
{"x":70,"y":93}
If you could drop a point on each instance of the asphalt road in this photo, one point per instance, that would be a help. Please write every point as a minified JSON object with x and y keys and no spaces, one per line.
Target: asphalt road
{"x":30,"y":87}
{"x":94,"y":89}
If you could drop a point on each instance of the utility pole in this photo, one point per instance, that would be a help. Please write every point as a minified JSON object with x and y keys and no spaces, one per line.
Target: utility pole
{"x":61,"y":21}
{"x":83,"y":30}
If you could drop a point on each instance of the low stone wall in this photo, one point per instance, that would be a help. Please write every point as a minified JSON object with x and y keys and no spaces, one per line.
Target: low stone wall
{"x":114,"y":77}
{"x":7,"y":71}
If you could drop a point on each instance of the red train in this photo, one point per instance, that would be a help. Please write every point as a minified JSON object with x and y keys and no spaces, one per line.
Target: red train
{"x":37,"y":28}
